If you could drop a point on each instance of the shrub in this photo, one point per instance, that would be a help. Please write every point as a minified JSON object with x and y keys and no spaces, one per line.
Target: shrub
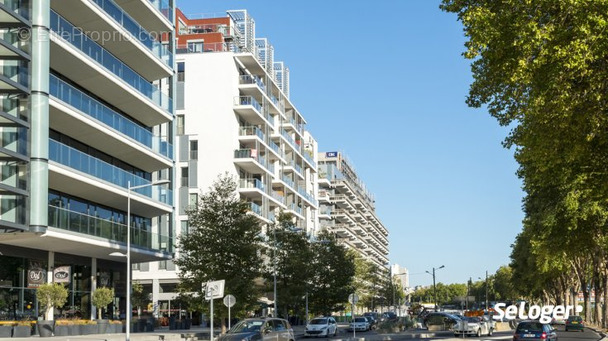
{"x":101,"y":298}
{"x":51,"y":295}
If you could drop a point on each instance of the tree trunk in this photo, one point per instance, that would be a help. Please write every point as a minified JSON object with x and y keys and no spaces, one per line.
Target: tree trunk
{"x":605,"y":310}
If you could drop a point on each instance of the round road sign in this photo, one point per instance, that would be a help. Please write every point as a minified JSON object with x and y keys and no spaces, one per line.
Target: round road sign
{"x":229,"y":301}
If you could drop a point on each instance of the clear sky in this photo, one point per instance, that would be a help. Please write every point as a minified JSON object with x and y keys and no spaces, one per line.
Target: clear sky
{"x":384,"y":82}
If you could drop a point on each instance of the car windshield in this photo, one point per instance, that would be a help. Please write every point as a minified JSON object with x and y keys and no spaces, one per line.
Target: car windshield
{"x":319,"y":321}
{"x":472,"y":319}
{"x":575,"y":318}
{"x":360,"y":319}
{"x":247,"y":326}
{"x":530,"y":327}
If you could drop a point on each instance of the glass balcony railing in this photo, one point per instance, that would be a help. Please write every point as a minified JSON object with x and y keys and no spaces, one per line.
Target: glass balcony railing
{"x":164,"y":7}
{"x":271,"y":216}
{"x":255,"y":208}
{"x":289,"y":139}
{"x":248,"y":100}
{"x":78,"y":39}
{"x":248,"y":79}
{"x":276,"y":148}
{"x":20,"y":7}
{"x":137,"y":32}
{"x":251,"y":183}
{"x":252,"y":131}
{"x":115,"y":231}
{"x":309,"y":158}
{"x":85,"y":163}
{"x":14,"y":139}
{"x":298,"y":168}
{"x":95,"y":109}
{"x":12,"y":37}
{"x":278,"y":197}
{"x":15,"y":70}
{"x":295,"y":208}
{"x":288,"y":181}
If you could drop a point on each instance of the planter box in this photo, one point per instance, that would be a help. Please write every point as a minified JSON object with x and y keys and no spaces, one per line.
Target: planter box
{"x":88,"y":329}
{"x":75,"y":329}
{"x":62,"y":330}
{"x":45,"y":328}
{"x":22,"y":331}
{"x":102,"y":326}
{"x":6,"y":331}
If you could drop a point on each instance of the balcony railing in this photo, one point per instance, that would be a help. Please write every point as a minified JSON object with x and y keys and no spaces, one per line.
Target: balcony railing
{"x":276,"y":148}
{"x":20,"y":7}
{"x":13,"y":38}
{"x":15,"y":70}
{"x":85,"y":163}
{"x":309,"y":158}
{"x":255,"y":208}
{"x":248,"y":79}
{"x":251,"y":183}
{"x":295,"y":208}
{"x":137,"y":32}
{"x":78,"y":39}
{"x":289,"y":139}
{"x":95,"y":109}
{"x":278,"y":197}
{"x":248,"y":100}
{"x":288,"y":181}
{"x":94,"y":226}
{"x":164,"y":7}
{"x":251,"y":131}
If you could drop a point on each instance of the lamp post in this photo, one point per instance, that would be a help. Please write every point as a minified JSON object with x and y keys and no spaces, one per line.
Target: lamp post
{"x":128,"y":254}
{"x":486,"y":289}
{"x":434,"y":286}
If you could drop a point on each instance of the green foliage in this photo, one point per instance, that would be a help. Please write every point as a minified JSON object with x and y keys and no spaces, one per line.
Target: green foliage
{"x":223,"y":243}
{"x":139,"y":298}
{"x":101,"y":298}
{"x":51,"y":295}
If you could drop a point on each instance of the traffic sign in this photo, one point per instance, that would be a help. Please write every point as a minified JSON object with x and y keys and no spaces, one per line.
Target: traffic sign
{"x":229,"y":301}
{"x":353,"y":298}
{"x":214,"y":289}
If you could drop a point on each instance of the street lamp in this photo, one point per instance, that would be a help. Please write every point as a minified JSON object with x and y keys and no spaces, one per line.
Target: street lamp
{"x":128,"y":254}
{"x":434,"y":287}
{"x":486,"y":288}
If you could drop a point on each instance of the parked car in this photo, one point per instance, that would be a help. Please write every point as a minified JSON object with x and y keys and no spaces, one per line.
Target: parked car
{"x":374,"y":315}
{"x":473,"y":326}
{"x":390,"y":316}
{"x":534,"y":331}
{"x":575,"y":323}
{"x":372,"y":323}
{"x":359,"y":324}
{"x":260,"y":329}
{"x":440,"y":318}
{"x":321,"y":326}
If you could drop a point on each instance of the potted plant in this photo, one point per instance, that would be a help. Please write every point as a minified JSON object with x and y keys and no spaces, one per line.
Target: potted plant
{"x":101,"y":298}
{"x":140,"y":299}
{"x":50,"y":295}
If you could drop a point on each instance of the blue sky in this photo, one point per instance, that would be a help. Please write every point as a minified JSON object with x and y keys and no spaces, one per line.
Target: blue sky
{"x":384,"y":82}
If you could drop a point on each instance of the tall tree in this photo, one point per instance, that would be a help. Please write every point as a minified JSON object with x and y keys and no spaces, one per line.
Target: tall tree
{"x":223,"y":243}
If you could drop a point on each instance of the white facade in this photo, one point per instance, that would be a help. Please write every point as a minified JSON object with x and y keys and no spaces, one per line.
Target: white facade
{"x":232,"y":117}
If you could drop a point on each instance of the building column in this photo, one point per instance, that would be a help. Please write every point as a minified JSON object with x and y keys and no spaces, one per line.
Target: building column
{"x":49,"y":279}
{"x":93,"y":285}
{"x":39,"y":116}
{"x":155,"y":294}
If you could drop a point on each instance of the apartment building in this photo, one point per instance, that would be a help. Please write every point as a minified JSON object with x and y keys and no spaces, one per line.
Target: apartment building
{"x":87,"y":112}
{"x":234,"y":115}
{"x":347,"y":209}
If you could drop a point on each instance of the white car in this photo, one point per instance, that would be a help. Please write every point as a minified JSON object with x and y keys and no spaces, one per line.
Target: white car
{"x":477,"y":326}
{"x":321,"y":326}
{"x":359,"y":324}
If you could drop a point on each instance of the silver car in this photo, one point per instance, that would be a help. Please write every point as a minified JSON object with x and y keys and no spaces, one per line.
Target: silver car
{"x":263,"y":329}
{"x":473,"y":326}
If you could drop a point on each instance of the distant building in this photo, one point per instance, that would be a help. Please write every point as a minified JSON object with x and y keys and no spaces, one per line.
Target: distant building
{"x":347,"y":209}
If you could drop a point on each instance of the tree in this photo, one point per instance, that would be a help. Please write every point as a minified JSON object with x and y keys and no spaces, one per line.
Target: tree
{"x":101,"y":298}
{"x":138,"y":297}
{"x":364,"y":281}
{"x":224,"y":242}
{"x":51,"y":295}
{"x":332,"y":280}
{"x":292,"y":256}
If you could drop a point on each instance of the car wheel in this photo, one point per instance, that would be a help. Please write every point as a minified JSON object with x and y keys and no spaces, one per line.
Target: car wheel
{"x":566,"y":328}
{"x":491,"y":332}
{"x":479,"y":332}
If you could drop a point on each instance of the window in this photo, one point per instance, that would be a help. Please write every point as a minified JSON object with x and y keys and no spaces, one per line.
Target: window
{"x":192,"y":201}
{"x":195,"y":46}
{"x":185,"y":228}
{"x":194,"y":150}
{"x":180,"y":124}
{"x":181,"y":72}
{"x":184,"y":177}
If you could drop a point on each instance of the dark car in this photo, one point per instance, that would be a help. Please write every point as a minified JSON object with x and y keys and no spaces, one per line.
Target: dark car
{"x":575,"y":323}
{"x":260,"y":329}
{"x":373,"y":324}
{"x":534,"y":331}
{"x":390,"y":316}
{"x":440,"y":318}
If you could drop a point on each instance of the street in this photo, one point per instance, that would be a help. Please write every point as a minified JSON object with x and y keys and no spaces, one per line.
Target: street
{"x":344,"y":334}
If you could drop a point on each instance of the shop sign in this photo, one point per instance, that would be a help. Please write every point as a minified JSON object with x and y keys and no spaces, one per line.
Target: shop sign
{"x":61,"y":274}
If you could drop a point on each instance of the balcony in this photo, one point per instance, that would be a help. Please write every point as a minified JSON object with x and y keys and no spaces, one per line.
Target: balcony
{"x":278,"y":198}
{"x":251,"y":188}
{"x":277,"y":150}
{"x":295,"y":209}
{"x":119,"y":34}
{"x":14,"y":76}
{"x":255,"y":208}
{"x":95,"y":69}
{"x":14,"y":12}
{"x":12,"y":46}
{"x":310,"y":159}
{"x":250,"y":131}
{"x":104,"y":172}
{"x":14,"y":143}
{"x":252,"y":80}
{"x":155,"y":15}
{"x":107,"y":229}
{"x":86,"y":107}
{"x":251,"y":161}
